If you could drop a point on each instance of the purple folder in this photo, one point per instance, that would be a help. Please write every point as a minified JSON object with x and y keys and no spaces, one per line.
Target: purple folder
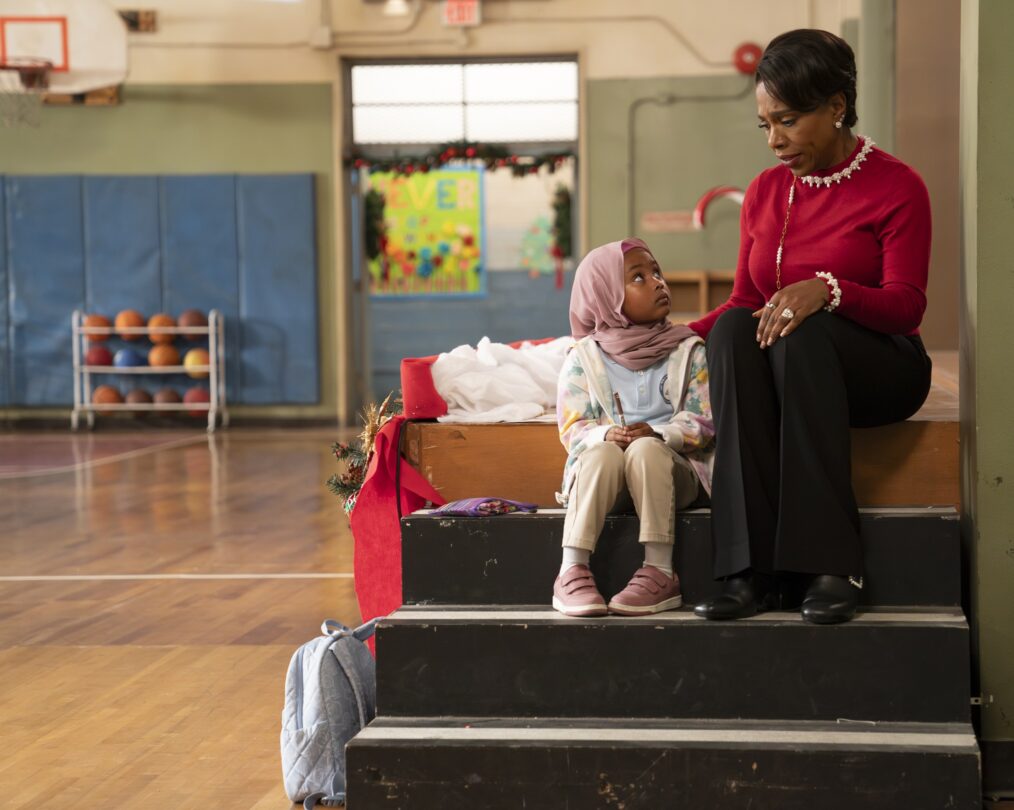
{"x":482,"y":507}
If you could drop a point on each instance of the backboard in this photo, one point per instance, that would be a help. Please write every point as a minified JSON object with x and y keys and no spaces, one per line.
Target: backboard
{"x":84,"y":40}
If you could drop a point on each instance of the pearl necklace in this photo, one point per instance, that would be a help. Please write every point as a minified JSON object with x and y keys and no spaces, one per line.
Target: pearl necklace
{"x":812,"y":181}
{"x":845,"y":173}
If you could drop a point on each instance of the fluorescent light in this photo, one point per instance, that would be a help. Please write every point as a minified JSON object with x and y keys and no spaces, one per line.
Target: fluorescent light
{"x":396,"y":8}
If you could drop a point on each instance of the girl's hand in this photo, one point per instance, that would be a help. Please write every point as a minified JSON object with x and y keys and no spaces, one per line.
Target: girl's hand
{"x":623,"y":436}
{"x":803,"y":298}
{"x":618,"y":435}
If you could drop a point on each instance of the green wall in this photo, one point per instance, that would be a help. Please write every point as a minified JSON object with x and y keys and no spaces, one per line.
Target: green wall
{"x":875,"y":63}
{"x":681,"y":147}
{"x":202,"y":129}
{"x":987,"y":402}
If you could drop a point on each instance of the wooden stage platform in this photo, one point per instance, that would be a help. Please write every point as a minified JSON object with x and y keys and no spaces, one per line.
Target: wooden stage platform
{"x":906,"y":464}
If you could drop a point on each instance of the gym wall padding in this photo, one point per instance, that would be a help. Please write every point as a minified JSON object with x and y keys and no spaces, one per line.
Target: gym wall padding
{"x":276,"y":253}
{"x":122,"y":263}
{"x":106,"y":243}
{"x":46,"y":283}
{"x":5,"y":366}
{"x":200,"y":258}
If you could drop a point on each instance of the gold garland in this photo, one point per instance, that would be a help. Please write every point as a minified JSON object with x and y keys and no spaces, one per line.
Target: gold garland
{"x":374,"y":418}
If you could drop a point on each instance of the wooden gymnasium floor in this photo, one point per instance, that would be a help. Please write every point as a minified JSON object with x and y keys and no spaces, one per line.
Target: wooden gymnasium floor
{"x":152,"y":588}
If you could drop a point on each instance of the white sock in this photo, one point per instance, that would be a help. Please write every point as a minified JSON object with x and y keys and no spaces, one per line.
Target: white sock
{"x":659,"y":555}
{"x":574,"y":556}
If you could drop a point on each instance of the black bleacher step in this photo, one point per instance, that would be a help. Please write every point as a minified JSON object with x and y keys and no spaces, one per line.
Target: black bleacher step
{"x":447,"y":763}
{"x":913,"y":557}
{"x":899,"y":666}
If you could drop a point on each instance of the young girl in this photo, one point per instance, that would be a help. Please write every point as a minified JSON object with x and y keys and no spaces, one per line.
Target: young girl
{"x":635,"y":417}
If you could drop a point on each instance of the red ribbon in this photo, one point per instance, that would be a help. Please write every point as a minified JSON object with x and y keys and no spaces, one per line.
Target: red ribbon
{"x":391,"y":484}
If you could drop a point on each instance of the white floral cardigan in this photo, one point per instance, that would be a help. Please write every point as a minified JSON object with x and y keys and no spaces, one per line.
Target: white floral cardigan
{"x":585,"y":409}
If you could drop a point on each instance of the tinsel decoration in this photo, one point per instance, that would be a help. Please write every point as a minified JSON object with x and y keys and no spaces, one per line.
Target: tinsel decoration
{"x":357,"y":453}
{"x":493,"y":156}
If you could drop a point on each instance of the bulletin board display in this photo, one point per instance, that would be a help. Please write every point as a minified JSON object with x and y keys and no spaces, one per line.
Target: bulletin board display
{"x":432,"y":238}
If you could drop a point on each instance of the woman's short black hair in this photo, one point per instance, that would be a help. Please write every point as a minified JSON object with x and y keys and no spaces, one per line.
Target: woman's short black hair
{"x":806,"y":67}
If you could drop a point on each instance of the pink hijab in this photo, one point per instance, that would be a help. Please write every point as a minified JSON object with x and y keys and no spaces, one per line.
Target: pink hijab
{"x":596,"y":301}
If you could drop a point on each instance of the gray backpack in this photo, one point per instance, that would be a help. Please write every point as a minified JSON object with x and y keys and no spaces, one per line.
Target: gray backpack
{"x":330,"y":694}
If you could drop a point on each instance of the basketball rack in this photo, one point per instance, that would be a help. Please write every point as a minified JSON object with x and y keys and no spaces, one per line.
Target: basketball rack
{"x":215,"y":370}
{"x":23,"y":84}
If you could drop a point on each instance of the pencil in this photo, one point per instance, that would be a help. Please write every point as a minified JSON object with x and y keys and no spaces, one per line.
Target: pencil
{"x":619,"y":409}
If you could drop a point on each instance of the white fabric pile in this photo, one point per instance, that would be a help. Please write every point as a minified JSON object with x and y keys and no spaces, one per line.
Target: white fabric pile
{"x":496,"y":383}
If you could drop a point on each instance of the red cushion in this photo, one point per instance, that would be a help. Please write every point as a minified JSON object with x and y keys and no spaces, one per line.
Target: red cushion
{"x":419,"y":395}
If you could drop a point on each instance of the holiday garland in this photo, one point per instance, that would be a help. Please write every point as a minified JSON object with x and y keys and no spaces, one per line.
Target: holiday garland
{"x":374,"y":223}
{"x":491,"y":155}
{"x":357,"y":453}
{"x":562,"y":229}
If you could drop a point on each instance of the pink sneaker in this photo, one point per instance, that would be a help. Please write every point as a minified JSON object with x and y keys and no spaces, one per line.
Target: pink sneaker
{"x":575,"y":594}
{"x":649,"y":591}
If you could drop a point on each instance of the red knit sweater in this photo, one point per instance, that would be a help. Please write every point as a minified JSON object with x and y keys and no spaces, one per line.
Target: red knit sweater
{"x":871,"y":231}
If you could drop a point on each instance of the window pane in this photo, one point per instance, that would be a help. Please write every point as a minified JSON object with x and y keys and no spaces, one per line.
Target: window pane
{"x":521,"y":122}
{"x":410,"y":84}
{"x":525,"y":81}
{"x":433,"y":123}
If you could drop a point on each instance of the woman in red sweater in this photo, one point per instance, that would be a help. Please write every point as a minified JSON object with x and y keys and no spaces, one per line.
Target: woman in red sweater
{"x":820,"y":334}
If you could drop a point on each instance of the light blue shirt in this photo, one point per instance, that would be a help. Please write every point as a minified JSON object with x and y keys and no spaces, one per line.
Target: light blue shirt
{"x":641,"y":392}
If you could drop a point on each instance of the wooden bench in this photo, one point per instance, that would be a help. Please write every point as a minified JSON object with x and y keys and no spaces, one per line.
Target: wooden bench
{"x":906,"y":464}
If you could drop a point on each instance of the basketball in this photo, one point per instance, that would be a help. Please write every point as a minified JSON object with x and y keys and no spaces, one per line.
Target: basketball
{"x":197,"y":395}
{"x":98,"y":356}
{"x":129,"y":318}
{"x":106,"y":395}
{"x":195,"y":358}
{"x":128,"y":358}
{"x":163,"y":355}
{"x":138,"y":396}
{"x":166,"y":396}
{"x":161,"y":320}
{"x":96,"y":321}
{"x":192,"y":318}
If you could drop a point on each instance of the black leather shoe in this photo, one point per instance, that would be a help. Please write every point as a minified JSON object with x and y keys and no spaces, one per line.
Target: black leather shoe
{"x":830,"y":600}
{"x":741,"y":597}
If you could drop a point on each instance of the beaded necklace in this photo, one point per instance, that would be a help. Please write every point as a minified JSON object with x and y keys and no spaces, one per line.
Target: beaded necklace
{"x":819,"y":182}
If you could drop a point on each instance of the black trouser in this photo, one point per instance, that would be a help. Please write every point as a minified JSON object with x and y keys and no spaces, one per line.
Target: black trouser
{"x":782,"y":495}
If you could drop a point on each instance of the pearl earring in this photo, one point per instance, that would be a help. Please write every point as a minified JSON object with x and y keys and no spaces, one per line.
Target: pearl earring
{"x":837,"y":124}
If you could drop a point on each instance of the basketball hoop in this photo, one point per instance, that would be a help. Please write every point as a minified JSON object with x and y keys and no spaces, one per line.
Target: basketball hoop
{"x":23,"y":83}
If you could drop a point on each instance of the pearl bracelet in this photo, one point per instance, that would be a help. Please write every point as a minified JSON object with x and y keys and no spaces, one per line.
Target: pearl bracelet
{"x":835,"y":290}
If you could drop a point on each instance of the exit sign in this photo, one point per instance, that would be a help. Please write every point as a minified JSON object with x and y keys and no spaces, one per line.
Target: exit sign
{"x":462,"y":12}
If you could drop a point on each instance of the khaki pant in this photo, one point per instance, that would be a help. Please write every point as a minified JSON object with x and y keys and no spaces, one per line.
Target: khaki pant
{"x":648,"y":476}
